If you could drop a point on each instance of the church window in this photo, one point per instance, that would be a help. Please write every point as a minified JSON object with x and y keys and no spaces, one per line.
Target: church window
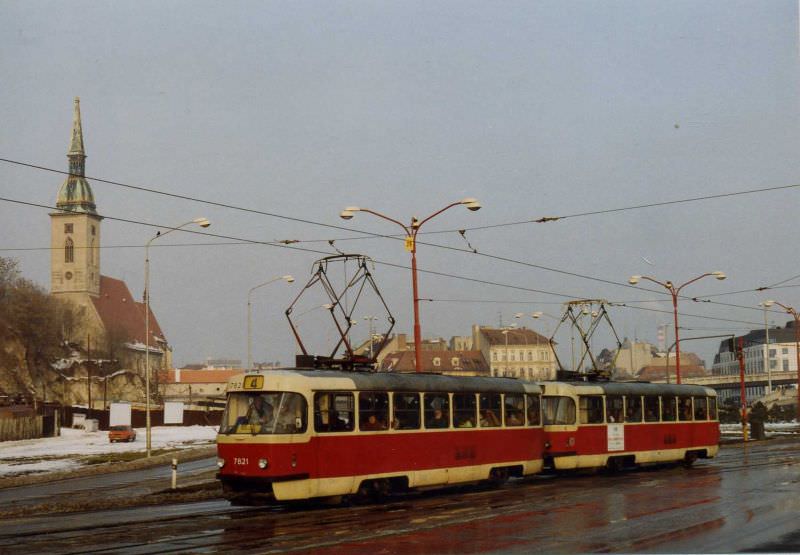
{"x":67,"y":228}
{"x":91,"y":252}
{"x":93,"y":231}
{"x":69,"y":251}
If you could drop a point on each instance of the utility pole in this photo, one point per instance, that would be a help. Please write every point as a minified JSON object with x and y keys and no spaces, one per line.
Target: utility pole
{"x":742,"y":390}
{"x":89,"y":371}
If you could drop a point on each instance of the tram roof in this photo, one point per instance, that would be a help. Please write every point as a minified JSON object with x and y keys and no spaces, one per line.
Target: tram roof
{"x":646,"y":388}
{"x":406,"y":381}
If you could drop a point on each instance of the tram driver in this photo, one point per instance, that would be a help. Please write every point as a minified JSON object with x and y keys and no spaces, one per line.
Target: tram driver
{"x":260,"y":414}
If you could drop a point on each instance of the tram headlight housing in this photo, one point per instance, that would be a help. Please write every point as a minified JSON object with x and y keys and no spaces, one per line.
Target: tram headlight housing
{"x":220,"y":463}
{"x":263,"y":463}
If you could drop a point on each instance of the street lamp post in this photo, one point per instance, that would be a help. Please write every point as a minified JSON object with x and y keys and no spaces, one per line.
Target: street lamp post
{"x":766,"y":305}
{"x":675,"y":291}
{"x":287,"y":279}
{"x":796,"y":316}
{"x":411,"y":231}
{"x":202,"y":222}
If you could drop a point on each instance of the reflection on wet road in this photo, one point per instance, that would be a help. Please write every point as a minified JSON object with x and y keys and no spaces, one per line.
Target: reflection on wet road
{"x":746,"y":499}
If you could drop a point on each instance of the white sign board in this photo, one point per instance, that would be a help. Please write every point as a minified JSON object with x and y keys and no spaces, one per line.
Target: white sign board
{"x":173,"y":412}
{"x":120,"y":414}
{"x":616,"y":437}
{"x":78,"y":420}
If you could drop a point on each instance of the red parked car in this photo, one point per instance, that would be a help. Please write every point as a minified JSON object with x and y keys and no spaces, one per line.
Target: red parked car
{"x":121,"y":433}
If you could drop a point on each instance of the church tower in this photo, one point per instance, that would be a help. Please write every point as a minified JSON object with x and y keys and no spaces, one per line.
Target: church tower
{"x":75,"y":228}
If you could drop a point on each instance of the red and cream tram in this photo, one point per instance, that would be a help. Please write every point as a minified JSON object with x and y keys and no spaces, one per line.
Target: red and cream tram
{"x":300,"y":434}
{"x":617,"y":424}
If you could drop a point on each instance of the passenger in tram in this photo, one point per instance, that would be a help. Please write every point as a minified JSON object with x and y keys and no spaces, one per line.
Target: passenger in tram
{"x":685,"y":408}
{"x":372,"y":424}
{"x":467,"y":422}
{"x":438,"y":420}
{"x":328,"y":420}
{"x":489,"y":419}
{"x":513,"y":419}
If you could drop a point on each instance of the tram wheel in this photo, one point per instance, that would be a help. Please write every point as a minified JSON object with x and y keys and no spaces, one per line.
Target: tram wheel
{"x":498,"y":476}
{"x":689,"y":459}
{"x":615,"y":464}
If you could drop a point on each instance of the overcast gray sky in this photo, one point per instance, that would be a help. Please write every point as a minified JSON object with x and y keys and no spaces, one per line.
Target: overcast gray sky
{"x":301,"y":108}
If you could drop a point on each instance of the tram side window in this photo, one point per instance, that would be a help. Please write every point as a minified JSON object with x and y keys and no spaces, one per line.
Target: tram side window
{"x":373,"y":411}
{"x":590,"y":408}
{"x":700,"y":408}
{"x":558,"y":410}
{"x":684,"y":408}
{"x":712,"y":408}
{"x":534,"y":410}
{"x":669,"y":409}
{"x":514,"y":412}
{"x":614,"y":409}
{"x":406,"y":411}
{"x":490,"y":410}
{"x":437,"y":410}
{"x":334,"y":412}
{"x":465,"y":410}
{"x":633,"y":408}
{"x":651,"y":408}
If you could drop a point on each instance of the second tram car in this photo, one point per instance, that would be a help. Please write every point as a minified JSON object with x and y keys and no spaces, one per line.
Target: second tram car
{"x":300,"y":434}
{"x":617,"y":424}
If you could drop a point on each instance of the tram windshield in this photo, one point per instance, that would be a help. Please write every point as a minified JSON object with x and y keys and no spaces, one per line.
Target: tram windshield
{"x":558,"y":410}
{"x":264,"y":413}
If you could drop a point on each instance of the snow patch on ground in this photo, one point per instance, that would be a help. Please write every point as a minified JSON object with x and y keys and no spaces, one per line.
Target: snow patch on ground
{"x":770,"y":428}
{"x":65,"y":452}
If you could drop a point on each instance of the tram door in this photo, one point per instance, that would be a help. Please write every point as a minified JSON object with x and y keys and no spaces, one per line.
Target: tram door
{"x":334,"y":424}
{"x":561,"y":430}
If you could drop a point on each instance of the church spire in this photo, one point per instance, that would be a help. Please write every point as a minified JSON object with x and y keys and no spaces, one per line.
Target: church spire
{"x":76,"y":146}
{"x":76,"y":155}
{"x":76,"y":194}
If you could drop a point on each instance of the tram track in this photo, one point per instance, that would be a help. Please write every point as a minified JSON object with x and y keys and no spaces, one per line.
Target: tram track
{"x":640,"y":510}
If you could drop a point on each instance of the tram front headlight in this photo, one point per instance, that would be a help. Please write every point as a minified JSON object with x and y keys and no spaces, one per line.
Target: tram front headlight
{"x":263,"y":463}
{"x":220,"y":463}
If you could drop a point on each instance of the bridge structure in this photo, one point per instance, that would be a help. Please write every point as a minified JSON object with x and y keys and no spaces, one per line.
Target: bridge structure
{"x":729,"y":385}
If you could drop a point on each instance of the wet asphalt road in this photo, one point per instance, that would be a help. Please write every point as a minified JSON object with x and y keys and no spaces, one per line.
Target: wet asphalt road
{"x":745,"y":500}
{"x":135,"y":482}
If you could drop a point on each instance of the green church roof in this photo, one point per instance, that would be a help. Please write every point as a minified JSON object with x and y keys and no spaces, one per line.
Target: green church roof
{"x":75,"y":194}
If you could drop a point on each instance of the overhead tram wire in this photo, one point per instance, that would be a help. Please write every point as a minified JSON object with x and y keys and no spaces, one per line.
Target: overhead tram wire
{"x":777,"y":285}
{"x":400,"y":238}
{"x":307,"y":221}
{"x":396,"y":237}
{"x":379,"y":262}
{"x":547,"y":219}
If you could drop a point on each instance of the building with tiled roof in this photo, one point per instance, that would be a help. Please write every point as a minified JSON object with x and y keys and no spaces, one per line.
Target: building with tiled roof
{"x":195,"y":386}
{"x":453,"y":363}
{"x":515,"y":352}
{"x":111,"y":322}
